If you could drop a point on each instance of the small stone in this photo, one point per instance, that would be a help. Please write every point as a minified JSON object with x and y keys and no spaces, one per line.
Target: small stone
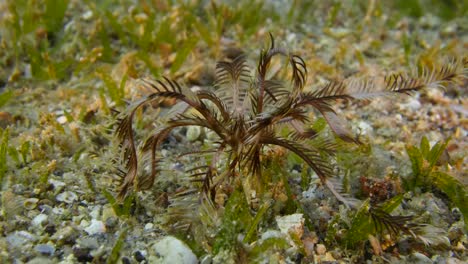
{"x":45,"y":249}
{"x":171,"y":250}
{"x":328,"y":258}
{"x":62,"y":120}
{"x":96,"y":212}
{"x":126,"y":260}
{"x":84,"y":223}
{"x":87,"y":15}
{"x":108,"y":212}
{"x":30,"y":203}
{"x":40,"y":260}
{"x":456,"y":214}
{"x":193,"y":133}
{"x":39,"y":219}
{"x":50,"y":229}
{"x":139,"y":255}
{"x":454,"y":261}
{"x":338,"y":32}
{"x":27,"y":73}
{"x":207,"y":259}
{"x":67,"y":197}
{"x":449,"y":30}
{"x":270,"y":234}
{"x":45,"y":208}
{"x":82,"y":254}
{"x":58,"y":210}
{"x":149,"y":227}
{"x":18,"y":189}
{"x":420,"y":258}
{"x":364,"y":128}
{"x":413,"y":104}
{"x":67,"y":234}
{"x":321,"y":249}
{"x":88,"y":242}
{"x":309,"y":243}
{"x":460,"y":247}
{"x":6,"y":119}
{"x":96,"y":227}
{"x":19,"y":238}
{"x":99,"y":252}
{"x":111,"y":222}
{"x":56,"y":184}
{"x":291,"y":223}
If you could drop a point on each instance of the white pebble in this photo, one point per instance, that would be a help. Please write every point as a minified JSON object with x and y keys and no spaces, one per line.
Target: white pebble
{"x":420,"y":258}
{"x":57,"y":184}
{"x":96,"y":227}
{"x":293,"y":222}
{"x":270,"y":234}
{"x":39,"y":219}
{"x":67,"y":197}
{"x":58,"y":210}
{"x":62,"y":120}
{"x":364,"y":127}
{"x":193,"y":133}
{"x":87,"y":15}
{"x":45,"y":249}
{"x":171,"y":250}
{"x":412,"y":104}
{"x":19,"y":238}
{"x":149,"y":226}
{"x":96,"y":212}
{"x":321,"y":249}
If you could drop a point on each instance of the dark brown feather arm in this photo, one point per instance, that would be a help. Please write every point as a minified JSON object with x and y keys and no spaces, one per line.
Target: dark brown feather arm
{"x":151,"y":145}
{"x":206,"y":95}
{"x":312,"y":157}
{"x":172,"y":89}
{"x":154,"y":142}
{"x":232,"y":80}
{"x":208,"y":121}
{"x":338,"y":126}
{"x":299,"y":73}
{"x":124,"y":131}
{"x":204,"y":174}
{"x":276,"y":116}
{"x":354,"y":88}
{"x":393,"y":224}
{"x":366,"y":88}
{"x":130,"y":157}
{"x":251,"y":159}
{"x":320,"y":141}
{"x":270,"y":87}
{"x":235,"y":70}
{"x":125,"y":134}
{"x":274,"y":90}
